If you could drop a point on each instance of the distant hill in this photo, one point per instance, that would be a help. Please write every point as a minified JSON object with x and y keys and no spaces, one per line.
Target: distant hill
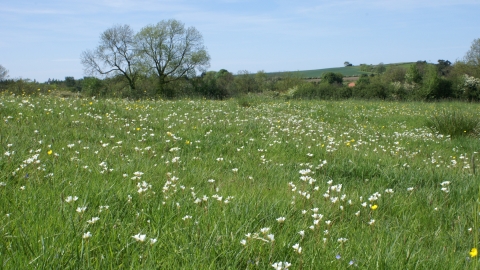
{"x":350,"y":71}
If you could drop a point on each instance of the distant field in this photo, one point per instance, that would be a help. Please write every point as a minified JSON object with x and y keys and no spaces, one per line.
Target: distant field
{"x":346,"y":71}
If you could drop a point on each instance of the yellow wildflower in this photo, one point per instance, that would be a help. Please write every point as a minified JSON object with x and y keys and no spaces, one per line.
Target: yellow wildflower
{"x":473,"y":253}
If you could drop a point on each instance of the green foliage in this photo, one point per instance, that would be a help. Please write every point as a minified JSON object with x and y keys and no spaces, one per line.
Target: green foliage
{"x":469,"y":87}
{"x":170,"y":51}
{"x":413,"y":75}
{"x":245,"y":82}
{"x":435,"y":87}
{"x":3,"y":73}
{"x":472,"y":57}
{"x":216,"y":85}
{"x":394,"y":74}
{"x":373,"y":90}
{"x":455,"y":123}
{"x":363,"y":79}
{"x":366,"y":68}
{"x":320,"y":91}
{"x":380,"y":68}
{"x":444,"y":67}
{"x":332,"y":78}
{"x":92,"y":86}
{"x":70,"y":82}
{"x":286,"y":81}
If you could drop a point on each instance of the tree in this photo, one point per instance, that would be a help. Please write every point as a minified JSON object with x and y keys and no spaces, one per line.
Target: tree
{"x":394,"y":74}
{"x":347,"y":64}
{"x":70,"y":81}
{"x":413,"y":74}
{"x":171,"y":51}
{"x":444,"y":67}
{"x":332,"y":77}
{"x":245,"y":82}
{"x":434,"y":86}
{"x":261,"y":79}
{"x":472,"y":57}
{"x":380,"y":68}
{"x":3,"y":73}
{"x":114,"y":55}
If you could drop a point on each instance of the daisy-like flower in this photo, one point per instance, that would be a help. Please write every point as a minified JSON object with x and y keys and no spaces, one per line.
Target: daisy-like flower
{"x":93,"y":220}
{"x":87,"y":235}
{"x":342,"y":240}
{"x":138,"y":174}
{"x":281,"y":265}
{"x":281,"y":219}
{"x":305,"y":171}
{"x":271,"y":237}
{"x":70,"y":199}
{"x":243,"y":242}
{"x":265,"y":230}
{"x":153,"y":241}
{"x":187,"y":217}
{"x":140,"y":237}
{"x":374,"y":207}
{"x":81,"y":209}
{"x":297,"y":248}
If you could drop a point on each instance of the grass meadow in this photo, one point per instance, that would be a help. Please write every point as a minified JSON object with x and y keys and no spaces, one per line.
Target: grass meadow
{"x":200,"y":184}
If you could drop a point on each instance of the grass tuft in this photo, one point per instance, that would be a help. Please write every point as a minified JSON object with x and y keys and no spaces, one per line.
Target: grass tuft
{"x":455,"y":123}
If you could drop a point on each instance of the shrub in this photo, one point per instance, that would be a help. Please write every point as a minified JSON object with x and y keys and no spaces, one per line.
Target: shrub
{"x":319,"y":91}
{"x":332,"y":78}
{"x":92,"y":86}
{"x":454,"y":123}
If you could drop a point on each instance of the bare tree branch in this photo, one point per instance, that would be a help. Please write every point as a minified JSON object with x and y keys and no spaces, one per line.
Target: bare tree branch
{"x":114,"y":55}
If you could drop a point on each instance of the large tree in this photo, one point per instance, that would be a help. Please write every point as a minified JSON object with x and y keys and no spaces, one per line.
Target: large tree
{"x":472,"y":57}
{"x":3,"y":73}
{"x":115,"y":55}
{"x":171,"y":51}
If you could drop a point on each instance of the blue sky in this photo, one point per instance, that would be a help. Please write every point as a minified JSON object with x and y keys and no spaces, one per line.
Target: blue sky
{"x":44,"y":39}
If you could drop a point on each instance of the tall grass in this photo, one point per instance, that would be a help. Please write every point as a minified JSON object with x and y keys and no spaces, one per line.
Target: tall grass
{"x":198,"y":184}
{"x":455,"y":123}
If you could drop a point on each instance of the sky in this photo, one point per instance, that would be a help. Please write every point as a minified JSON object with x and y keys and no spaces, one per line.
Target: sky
{"x":42,"y":39}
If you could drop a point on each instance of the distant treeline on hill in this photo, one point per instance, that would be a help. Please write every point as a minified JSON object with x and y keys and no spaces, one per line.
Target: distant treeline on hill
{"x":419,"y":81}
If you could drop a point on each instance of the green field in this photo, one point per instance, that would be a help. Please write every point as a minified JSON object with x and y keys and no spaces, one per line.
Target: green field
{"x":199,"y":184}
{"x":346,"y":71}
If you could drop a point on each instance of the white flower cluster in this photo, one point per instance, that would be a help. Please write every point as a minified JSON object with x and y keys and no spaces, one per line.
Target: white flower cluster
{"x":470,"y":82}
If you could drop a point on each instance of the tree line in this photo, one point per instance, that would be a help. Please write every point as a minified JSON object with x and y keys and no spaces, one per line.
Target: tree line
{"x":168,"y":60}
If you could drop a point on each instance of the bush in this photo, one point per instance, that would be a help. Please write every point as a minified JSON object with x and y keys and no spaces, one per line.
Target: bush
{"x":92,"y":86}
{"x":319,"y":91}
{"x":332,"y":78}
{"x":373,"y":90}
{"x":454,"y":123}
